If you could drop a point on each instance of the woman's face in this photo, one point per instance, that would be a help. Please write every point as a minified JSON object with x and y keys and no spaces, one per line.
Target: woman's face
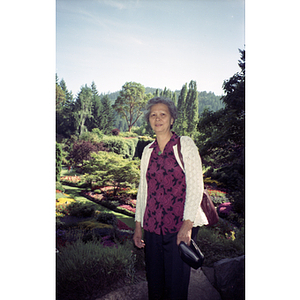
{"x":160,"y":118}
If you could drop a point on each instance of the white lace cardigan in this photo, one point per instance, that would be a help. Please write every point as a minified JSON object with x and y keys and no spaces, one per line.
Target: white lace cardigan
{"x":194,"y":182}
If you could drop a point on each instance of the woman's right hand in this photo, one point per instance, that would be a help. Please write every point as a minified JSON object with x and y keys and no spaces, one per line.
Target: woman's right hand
{"x":137,"y":237}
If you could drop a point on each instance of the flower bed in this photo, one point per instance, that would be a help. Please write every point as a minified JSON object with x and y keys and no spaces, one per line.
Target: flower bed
{"x":70,"y":179}
{"x":217,"y":196}
{"x":62,"y":204}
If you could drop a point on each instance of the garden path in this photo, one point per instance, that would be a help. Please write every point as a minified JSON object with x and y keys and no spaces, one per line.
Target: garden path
{"x":200,"y":288}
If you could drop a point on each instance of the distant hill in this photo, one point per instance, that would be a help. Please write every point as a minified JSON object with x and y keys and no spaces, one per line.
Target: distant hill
{"x":206,"y":99}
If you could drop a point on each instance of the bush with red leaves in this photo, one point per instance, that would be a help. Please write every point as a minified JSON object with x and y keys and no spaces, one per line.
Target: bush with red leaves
{"x":116,"y":131}
{"x":82,"y":150}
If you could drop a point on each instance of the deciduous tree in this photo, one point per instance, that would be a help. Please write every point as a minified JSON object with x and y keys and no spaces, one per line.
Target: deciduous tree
{"x":131,"y":102}
{"x":108,"y":168}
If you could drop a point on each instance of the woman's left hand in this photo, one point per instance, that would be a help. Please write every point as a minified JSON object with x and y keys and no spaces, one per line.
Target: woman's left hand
{"x":185,"y":232}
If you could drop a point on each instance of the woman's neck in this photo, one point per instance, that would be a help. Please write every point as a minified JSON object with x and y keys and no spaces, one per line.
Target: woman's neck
{"x":163,"y":139}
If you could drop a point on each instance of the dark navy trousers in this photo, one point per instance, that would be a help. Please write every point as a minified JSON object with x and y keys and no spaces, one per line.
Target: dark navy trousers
{"x":167,"y":275}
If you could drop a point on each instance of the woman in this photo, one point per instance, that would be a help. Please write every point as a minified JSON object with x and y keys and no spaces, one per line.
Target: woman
{"x":168,"y":203}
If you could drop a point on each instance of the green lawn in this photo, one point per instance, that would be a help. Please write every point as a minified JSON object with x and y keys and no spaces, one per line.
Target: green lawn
{"x":74,"y":193}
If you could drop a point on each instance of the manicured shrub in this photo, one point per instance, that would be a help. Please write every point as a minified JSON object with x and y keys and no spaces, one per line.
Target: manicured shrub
{"x":84,"y":269}
{"x":79,"y":209}
{"x":98,"y":132}
{"x":128,"y":134}
{"x":92,"y":224}
{"x":107,"y":218}
{"x":94,"y":137}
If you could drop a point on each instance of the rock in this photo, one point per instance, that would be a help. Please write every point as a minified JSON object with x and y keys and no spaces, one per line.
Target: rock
{"x":230,"y":278}
{"x":200,"y":288}
{"x":210,"y":274}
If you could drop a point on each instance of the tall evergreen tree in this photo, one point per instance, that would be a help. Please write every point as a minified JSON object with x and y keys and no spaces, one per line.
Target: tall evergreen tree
{"x":107,"y":115}
{"x":167,"y":93}
{"x":174,"y":98}
{"x":67,"y":114}
{"x":95,"y":120}
{"x":191,"y":109}
{"x":181,"y":124}
{"x":83,"y":108}
{"x":65,"y":122}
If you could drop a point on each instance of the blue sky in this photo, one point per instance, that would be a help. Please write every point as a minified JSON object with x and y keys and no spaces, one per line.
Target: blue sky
{"x":156,"y":43}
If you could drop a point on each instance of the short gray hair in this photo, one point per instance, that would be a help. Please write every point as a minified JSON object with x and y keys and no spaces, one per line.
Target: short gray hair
{"x":164,"y":100}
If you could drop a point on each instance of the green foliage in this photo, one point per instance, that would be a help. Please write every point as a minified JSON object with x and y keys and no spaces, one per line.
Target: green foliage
{"x":180,"y":124}
{"x":93,"y":137}
{"x":187,"y":110}
{"x":191,"y":109}
{"x":84,"y":269}
{"x":107,"y":115}
{"x":60,"y":96}
{"x":58,"y":161}
{"x":129,"y":134}
{"x":107,"y":218}
{"x":221,"y":140}
{"x":79,"y":209}
{"x":92,"y":224}
{"x":83,"y":108}
{"x":107,"y":168}
{"x":65,"y":120}
{"x":98,"y":132}
{"x":219,"y":242}
{"x":81,"y":150}
{"x":59,"y":186}
{"x":131,"y":102}
{"x":209,"y":101}
{"x":121,"y":146}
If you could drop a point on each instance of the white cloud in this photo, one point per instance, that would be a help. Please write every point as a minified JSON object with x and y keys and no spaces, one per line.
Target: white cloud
{"x":116,"y":4}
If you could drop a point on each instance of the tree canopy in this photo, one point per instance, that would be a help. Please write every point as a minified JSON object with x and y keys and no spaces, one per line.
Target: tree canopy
{"x":131,"y":102}
{"x":222,"y":137}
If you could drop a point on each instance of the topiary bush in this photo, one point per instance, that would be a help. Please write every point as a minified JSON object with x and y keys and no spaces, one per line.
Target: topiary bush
{"x":84,"y":269}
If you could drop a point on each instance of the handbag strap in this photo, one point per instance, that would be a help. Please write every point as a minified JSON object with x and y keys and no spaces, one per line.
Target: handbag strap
{"x":179,"y":151}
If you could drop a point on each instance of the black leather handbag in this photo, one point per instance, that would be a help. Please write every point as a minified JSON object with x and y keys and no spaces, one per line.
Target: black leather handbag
{"x":191,"y":254}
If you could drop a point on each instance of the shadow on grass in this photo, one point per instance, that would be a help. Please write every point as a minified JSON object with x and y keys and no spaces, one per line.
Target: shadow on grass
{"x":74,"y":193}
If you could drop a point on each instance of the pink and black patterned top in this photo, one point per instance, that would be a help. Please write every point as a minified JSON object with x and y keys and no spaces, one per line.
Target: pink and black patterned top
{"x":166,"y":191}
